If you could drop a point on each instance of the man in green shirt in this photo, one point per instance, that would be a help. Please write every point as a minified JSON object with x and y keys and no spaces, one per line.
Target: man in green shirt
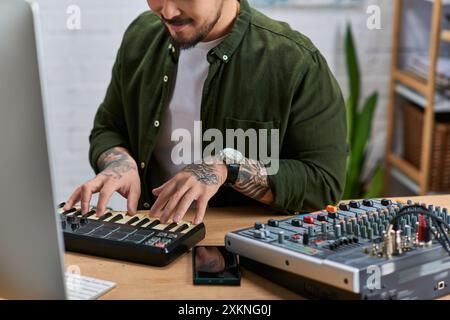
{"x":253,"y":73}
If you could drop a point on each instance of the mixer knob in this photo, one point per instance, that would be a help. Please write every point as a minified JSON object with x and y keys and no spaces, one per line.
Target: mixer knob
{"x":258,"y":225}
{"x":273,"y":223}
{"x":310,"y":230}
{"x":74,"y":225}
{"x":281,"y":237}
{"x":357,"y":229}
{"x":337,"y":231}
{"x":308,"y":219}
{"x":324,"y":228}
{"x":332,"y":215}
{"x":305,"y":239}
{"x":259,"y":235}
{"x":367,"y":203}
{"x":63,"y":224}
{"x":354,"y":204}
{"x":349,"y":228}
{"x":370,"y":233}
{"x":84,"y":220}
{"x":331,"y":208}
{"x":321,"y":217}
{"x":70,"y":219}
{"x":296,"y":237}
{"x":296,"y":222}
{"x":332,"y":245}
{"x":344,"y":207}
{"x":386,"y":202}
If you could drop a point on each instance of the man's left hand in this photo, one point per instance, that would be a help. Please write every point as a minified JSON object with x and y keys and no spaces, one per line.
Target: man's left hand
{"x":196,"y":182}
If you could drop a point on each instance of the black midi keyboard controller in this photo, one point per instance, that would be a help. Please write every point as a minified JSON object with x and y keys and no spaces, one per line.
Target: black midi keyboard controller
{"x":371,"y":249}
{"x":139,"y":238}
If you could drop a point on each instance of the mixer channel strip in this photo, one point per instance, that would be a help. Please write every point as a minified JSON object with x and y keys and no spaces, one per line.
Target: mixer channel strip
{"x":329,"y":253}
{"x":139,"y":238}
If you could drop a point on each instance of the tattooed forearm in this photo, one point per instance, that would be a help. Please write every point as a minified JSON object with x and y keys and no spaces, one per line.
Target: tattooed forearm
{"x":253,"y":182}
{"x":115,"y":162}
{"x":205,"y":173}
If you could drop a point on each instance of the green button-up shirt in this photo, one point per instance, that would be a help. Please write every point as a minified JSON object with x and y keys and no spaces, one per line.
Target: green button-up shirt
{"x":263,"y":75}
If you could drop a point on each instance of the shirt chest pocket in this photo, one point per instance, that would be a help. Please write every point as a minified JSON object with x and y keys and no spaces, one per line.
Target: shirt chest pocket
{"x":255,"y":139}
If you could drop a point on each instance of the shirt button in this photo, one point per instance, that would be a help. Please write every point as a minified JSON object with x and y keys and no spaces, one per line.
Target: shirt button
{"x":166,"y":78}
{"x":156,"y":123}
{"x":170,"y":46}
{"x":142,"y":165}
{"x":147,"y":205}
{"x":225,"y":57}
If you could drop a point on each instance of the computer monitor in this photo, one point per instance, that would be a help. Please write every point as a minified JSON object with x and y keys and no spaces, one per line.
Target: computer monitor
{"x":31,"y":246}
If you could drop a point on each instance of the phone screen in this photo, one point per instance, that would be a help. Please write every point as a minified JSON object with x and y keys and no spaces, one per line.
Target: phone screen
{"x":215,"y":265}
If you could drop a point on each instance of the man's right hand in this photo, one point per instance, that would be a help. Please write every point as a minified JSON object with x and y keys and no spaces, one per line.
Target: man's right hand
{"x":118,"y":173}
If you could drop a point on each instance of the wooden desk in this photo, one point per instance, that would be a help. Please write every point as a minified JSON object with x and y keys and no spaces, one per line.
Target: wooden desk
{"x":135,"y":281}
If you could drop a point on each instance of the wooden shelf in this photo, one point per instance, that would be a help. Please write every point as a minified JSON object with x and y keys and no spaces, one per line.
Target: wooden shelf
{"x":418,"y":89}
{"x":404,"y":167}
{"x":445,"y":35}
{"x":411,"y":80}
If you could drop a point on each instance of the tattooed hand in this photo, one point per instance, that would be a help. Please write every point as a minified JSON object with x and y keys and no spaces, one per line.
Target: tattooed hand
{"x":196,"y":182}
{"x":118,"y":173}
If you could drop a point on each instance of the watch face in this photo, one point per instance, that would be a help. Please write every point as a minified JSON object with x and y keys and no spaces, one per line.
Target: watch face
{"x":231,"y":156}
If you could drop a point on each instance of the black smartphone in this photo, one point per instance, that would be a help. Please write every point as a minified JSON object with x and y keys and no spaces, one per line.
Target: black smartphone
{"x":215,"y":265}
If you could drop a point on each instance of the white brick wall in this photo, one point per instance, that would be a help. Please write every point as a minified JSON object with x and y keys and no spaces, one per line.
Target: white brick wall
{"x":78,"y":66}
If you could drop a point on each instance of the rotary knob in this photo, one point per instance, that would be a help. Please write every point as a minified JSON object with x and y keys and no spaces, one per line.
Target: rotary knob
{"x":354,"y":204}
{"x":273,"y":223}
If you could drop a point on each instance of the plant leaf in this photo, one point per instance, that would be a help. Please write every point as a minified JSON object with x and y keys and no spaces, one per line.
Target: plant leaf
{"x":363,"y":127}
{"x":375,"y":187}
{"x":354,"y":78}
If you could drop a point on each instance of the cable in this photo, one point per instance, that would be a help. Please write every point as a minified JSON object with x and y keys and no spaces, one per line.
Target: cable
{"x":438,"y":222}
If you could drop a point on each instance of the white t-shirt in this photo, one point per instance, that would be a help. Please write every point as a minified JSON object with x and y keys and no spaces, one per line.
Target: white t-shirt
{"x":184,"y":110}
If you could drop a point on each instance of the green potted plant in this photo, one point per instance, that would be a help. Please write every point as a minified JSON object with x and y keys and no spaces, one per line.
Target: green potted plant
{"x":359,"y":122}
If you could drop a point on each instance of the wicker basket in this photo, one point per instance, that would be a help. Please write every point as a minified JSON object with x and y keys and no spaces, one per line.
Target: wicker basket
{"x":440,"y":158}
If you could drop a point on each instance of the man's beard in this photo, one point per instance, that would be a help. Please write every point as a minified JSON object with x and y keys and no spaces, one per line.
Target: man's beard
{"x":185,"y":44}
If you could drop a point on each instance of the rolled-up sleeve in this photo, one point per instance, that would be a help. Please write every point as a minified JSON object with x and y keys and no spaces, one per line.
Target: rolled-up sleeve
{"x":314,"y":148}
{"x":109,"y":128}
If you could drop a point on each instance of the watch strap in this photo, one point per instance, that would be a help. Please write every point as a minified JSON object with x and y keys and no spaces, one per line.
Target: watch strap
{"x":232,"y":173}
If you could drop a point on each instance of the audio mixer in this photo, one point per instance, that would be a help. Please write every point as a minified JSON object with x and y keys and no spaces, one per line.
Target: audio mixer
{"x":370,"y":249}
{"x":138,"y":238}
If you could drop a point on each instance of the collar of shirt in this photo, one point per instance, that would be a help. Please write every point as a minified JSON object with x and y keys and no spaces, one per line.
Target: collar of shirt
{"x":225,"y":50}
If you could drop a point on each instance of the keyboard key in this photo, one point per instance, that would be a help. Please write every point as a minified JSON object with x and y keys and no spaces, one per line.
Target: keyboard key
{"x":170,"y":226}
{"x":69,"y":211}
{"x":105,"y":216}
{"x":90,"y":213}
{"x":116,"y":218}
{"x":132,"y":220}
{"x":153,"y":224}
{"x":142,"y":222}
{"x":182,"y":228}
